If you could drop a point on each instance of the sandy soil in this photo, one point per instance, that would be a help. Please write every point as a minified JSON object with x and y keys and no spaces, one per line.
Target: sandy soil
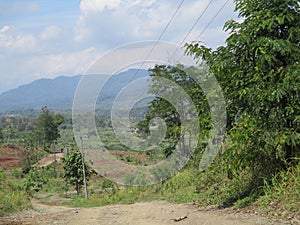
{"x":145,"y":213}
{"x":11,"y":157}
{"x":47,"y":160}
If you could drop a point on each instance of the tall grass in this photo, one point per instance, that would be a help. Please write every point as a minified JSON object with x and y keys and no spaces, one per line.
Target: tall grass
{"x":12,"y":197}
{"x":282,"y":194}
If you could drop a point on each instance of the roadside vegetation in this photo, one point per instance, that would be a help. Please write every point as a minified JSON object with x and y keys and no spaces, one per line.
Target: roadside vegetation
{"x":12,"y":196}
{"x":258,"y":164}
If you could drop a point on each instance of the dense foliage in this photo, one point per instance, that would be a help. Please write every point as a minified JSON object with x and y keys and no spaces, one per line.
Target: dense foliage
{"x":175,"y":109}
{"x":259,"y":72}
{"x":47,"y":127}
{"x":12,"y":197}
{"x":73,"y":168}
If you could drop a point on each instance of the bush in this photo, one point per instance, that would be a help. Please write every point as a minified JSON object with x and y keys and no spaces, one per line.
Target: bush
{"x":282,"y":193}
{"x":12,"y":197}
{"x":34,"y":181}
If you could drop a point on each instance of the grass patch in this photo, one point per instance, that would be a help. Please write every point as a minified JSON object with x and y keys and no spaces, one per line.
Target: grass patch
{"x":12,"y":197}
{"x":178,"y":189}
{"x":282,"y":195}
{"x":212,"y":187}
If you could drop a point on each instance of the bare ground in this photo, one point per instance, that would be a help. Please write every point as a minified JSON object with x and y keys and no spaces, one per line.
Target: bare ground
{"x":11,"y":157}
{"x":144,"y":213}
{"x":47,"y":160}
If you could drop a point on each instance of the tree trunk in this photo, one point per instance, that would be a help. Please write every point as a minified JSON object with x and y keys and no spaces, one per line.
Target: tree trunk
{"x":77,"y":188}
{"x":288,"y":155}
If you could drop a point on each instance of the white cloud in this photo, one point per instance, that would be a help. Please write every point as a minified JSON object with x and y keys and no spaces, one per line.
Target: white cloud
{"x":22,"y":43}
{"x":98,"y":5}
{"x":49,"y":49}
{"x":4,"y":28}
{"x":44,"y":66}
{"x":50,"y":33}
{"x":81,"y":31}
{"x":69,"y":63}
{"x":116,"y":22}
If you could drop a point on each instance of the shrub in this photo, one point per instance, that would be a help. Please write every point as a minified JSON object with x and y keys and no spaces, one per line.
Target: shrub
{"x":12,"y":197}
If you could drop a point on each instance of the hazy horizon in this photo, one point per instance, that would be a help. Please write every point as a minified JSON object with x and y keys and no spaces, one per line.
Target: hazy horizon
{"x":46,"y":39}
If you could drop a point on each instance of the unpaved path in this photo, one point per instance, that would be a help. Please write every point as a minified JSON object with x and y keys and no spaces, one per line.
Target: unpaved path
{"x":47,"y":160}
{"x":144,"y":213}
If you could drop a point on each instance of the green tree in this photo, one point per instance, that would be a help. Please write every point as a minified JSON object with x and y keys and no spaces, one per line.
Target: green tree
{"x":74,"y":170}
{"x":162,"y":108}
{"x":47,"y":127}
{"x":259,"y":72}
{"x":10,"y":132}
{"x":34,"y":181}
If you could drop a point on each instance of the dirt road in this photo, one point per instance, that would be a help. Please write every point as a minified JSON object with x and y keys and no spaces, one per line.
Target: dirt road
{"x":47,"y":160}
{"x":145,"y":213}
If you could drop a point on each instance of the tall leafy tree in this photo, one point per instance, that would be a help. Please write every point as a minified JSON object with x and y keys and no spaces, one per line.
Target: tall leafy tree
{"x":259,"y":72}
{"x":74,"y":170}
{"x":47,"y":127}
{"x":162,"y":108}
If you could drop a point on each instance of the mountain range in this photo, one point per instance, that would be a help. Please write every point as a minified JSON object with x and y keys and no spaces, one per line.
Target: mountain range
{"x":58,"y":93}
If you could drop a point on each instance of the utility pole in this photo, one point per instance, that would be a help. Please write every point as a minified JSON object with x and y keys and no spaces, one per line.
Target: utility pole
{"x":83,"y":169}
{"x":54,"y":160}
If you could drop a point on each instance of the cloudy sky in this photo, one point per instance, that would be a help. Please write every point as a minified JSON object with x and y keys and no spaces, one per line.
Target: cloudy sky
{"x":46,"y":39}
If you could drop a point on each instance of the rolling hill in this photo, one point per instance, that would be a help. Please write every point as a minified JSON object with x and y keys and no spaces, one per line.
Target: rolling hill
{"x":58,"y":93}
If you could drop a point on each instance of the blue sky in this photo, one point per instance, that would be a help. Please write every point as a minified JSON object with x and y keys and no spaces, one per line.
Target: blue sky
{"x":46,"y":39}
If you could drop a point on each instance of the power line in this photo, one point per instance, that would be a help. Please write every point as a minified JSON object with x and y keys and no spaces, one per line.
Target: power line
{"x":188,"y":33}
{"x":205,"y":28}
{"x":194,"y":25}
{"x":161,"y":35}
{"x":210,"y":22}
{"x":170,"y":21}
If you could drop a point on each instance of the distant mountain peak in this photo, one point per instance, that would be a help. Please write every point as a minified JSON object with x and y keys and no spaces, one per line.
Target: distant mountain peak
{"x":58,"y":93}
